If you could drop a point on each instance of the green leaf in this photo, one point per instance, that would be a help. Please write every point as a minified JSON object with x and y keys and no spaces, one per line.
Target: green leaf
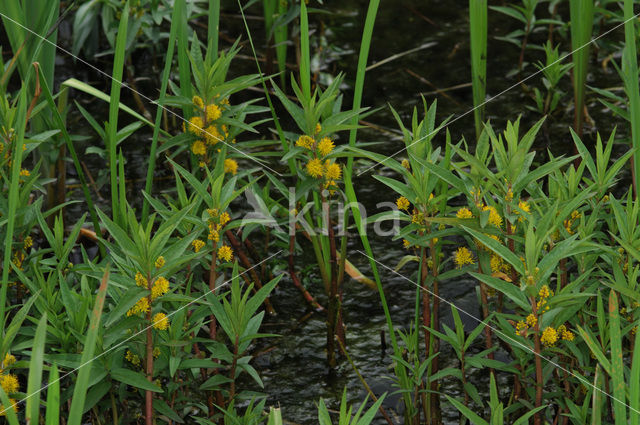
{"x":82,"y":383}
{"x":134,"y":379}
{"x":34,"y":383}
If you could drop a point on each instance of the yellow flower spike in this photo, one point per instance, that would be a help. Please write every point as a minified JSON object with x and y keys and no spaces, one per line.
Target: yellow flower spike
{"x":141,"y":280}
{"x":224,"y":218}
{"x":213,"y":212}
{"x":325,"y":146}
{"x":509,"y":196}
{"x":159,"y":262}
{"x":318,"y":128}
{"x":27,"y":243}
{"x":9,"y":359}
{"x":213,"y":112}
{"x":159,"y":288}
{"x":494,"y":216}
{"x":196,"y":125}
{"x":134,"y":359}
{"x":230,"y":166}
{"x":521,"y":327}
{"x":463,"y":256}
{"x":405,"y":163}
{"x":9,"y":383}
{"x":214,"y":236}
{"x":212,"y":135}
{"x":549,"y":336}
{"x":197,"y":245}
{"x":403,"y":203}
{"x":160,"y":322}
{"x":545,"y":292}
{"x":142,"y":306}
{"x":13,"y":404}
{"x":406,"y":244}
{"x":225,"y":253}
{"x":464,"y":212}
{"x":198,"y":148}
{"x":304,"y":141}
{"x":332,"y":170}
{"x":496,"y":263}
{"x":532,"y":320}
{"x":197,"y":101}
{"x":156,"y":352}
{"x":24,"y":173}
{"x":314,"y":168}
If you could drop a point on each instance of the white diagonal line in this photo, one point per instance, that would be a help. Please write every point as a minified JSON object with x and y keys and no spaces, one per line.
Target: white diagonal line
{"x":135,"y":334}
{"x":499,"y":94}
{"x":123,"y":84}
{"x":525,"y":347}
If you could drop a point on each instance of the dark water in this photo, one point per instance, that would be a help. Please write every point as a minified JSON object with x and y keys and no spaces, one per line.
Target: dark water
{"x":294,"y":371}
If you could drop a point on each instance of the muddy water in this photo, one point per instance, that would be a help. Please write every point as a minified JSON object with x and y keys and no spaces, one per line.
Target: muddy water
{"x":294,"y":369}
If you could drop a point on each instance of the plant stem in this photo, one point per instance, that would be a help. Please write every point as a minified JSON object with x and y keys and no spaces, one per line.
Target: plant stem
{"x":213,"y":275}
{"x":232,"y":373}
{"x":294,"y":277}
{"x":149,"y":362}
{"x":537,"y":419}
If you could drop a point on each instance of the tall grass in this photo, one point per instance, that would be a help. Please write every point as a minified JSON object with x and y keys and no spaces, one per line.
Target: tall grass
{"x":581,"y":12}
{"x":112,"y":128}
{"x":630,"y":77}
{"x":305,"y":54}
{"x":213,"y":40}
{"x":478,"y":35}
{"x":14,"y":193}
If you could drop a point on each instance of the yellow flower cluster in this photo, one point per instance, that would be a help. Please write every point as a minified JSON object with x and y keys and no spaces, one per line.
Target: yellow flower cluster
{"x":159,"y":262}
{"x":18,"y":259}
{"x":549,"y":336}
{"x":27,"y":243}
{"x":403,"y":203}
{"x":203,"y":125}
{"x":197,"y":245}
{"x":568,"y":223}
{"x":142,"y":306}
{"x":543,"y":294}
{"x":13,"y":404}
{"x":524,"y":206}
{"x":216,"y":222}
{"x":134,"y":359}
{"x":494,"y":217}
{"x":464,"y":212}
{"x":160,"y":322}
{"x":230,"y":166}
{"x":318,"y":166}
{"x":8,"y":381}
{"x":405,"y":163}
{"x":463,"y":256}
{"x":141,"y":280}
{"x":225,"y":253}
{"x":159,"y":288}
{"x":566,"y":334}
{"x":498,"y":265}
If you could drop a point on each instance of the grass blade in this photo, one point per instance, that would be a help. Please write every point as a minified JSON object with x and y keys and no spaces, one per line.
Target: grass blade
{"x":82,"y":383}
{"x":630,"y":73}
{"x":34,"y":383}
{"x":305,"y":55}
{"x":617,"y":364}
{"x":53,"y":397}
{"x":163,"y":90}
{"x":581,"y":12}
{"x":116,"y":85}
{"x":478,"y":34}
